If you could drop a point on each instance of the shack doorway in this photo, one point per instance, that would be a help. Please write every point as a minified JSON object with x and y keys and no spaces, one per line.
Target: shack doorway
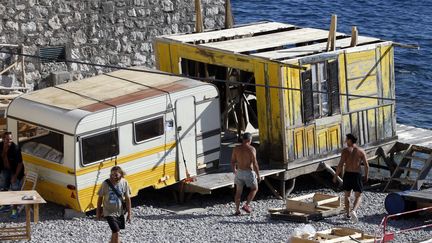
{"x":237,"y":94}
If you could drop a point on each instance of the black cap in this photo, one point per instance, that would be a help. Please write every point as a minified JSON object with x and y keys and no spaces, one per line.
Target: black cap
{"x":247,"y":136}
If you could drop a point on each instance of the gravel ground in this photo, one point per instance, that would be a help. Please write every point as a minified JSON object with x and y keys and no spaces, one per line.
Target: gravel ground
{"x":213,"y":223}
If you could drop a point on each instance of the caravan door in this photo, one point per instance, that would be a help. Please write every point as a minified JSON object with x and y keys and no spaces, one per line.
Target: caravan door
{"x":186,"y":137}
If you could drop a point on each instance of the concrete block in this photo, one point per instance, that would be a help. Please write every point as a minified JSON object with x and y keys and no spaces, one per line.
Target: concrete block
{"x":59,"y":77}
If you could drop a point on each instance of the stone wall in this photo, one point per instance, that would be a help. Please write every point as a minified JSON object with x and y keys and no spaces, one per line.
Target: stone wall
{"x":111,"y":32}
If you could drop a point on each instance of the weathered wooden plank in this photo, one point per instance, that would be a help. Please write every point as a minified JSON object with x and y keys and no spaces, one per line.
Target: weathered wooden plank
{"x":271,"y":40}
{"x":310,"y":49}
{"x":240,"y":31}
{"x":414,"y":135}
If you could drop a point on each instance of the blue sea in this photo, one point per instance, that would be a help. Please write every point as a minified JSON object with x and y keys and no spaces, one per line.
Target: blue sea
{"x":408,"y":22}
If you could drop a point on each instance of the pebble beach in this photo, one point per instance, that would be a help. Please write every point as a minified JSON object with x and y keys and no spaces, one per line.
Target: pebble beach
{"x":209,"y":218}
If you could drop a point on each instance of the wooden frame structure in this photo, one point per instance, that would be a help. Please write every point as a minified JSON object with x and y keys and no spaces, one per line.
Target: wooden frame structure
{"x":288,"y":73}
{"x":7,"y":94}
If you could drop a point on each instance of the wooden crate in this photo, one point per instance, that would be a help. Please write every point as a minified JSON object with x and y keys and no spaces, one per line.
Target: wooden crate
{"x":312,"y":206}
{"x":336,"y":235}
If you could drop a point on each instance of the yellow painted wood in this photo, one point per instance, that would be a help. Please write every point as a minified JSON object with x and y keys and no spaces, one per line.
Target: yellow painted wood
{"x":372,"y":128}
{"x":360,"y":64}
{"x":296,"y":96}
{"x":209,"y":56}
{"x":363,"y":86}
{"x":342,"y":83}
{"x":299,"y":140}
{"x":274,"y":72}
{"x":280,"y":111}
{"x":363,"y":103}
{"x":386,"y":52}
{"x":262,"y":104}
{"x":88,"y":196}
{"x":310,"y":140}
{"x":322,"y":139}
{"x":334,"y":137}
{"x":163,"y":61}
{"x":58,"y":193}
{"x":286,"y":73}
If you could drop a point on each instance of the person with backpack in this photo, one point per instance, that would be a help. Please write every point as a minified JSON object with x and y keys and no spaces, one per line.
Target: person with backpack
{"x":114,"y":196}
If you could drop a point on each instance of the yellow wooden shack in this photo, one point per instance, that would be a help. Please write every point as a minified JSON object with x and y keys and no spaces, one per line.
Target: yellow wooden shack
{"x":301,"y":98}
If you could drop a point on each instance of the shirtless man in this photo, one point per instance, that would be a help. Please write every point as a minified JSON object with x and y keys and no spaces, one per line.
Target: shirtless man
{"x":245,"y":168}
{"x":352,"y":157}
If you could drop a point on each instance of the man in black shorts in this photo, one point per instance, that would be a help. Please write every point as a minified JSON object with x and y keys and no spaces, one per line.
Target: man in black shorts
{"x":352,"y":158}
{"x":113,"y":193}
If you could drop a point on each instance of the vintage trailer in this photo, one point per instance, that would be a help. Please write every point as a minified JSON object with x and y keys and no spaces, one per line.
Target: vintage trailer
{"x":155,"y":126}
{"x":301,"y":97}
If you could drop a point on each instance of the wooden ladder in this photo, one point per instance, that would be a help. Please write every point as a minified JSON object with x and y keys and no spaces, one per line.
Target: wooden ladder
{"x":406,"y":167}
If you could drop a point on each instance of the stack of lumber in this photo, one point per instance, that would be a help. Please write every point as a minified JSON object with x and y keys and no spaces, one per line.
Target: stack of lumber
{"x":335,"y":235}
{"x":312,"y":206}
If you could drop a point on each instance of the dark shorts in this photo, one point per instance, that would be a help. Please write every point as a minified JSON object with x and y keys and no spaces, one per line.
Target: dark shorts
{"x":116,"y":223}
{"x":352,"y":181}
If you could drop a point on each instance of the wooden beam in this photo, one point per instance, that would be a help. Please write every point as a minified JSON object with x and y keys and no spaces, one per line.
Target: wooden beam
{"x":331,"y":40}
{"x":23,"y":73}
{"x":199,"y":25}
{"x":275,"y":193}
{"x":354,"y":36}
{"x":229,"y":19}
{"x":8,"y":68}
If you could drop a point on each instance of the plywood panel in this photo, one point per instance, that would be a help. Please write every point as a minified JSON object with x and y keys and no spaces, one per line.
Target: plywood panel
{"x":385,"y":70}
{"x":262,"y":104}
{"x":334,"y":137}
{"x":372,"y":119}
{"x":342,"y":83}
{"x":224,"y":59}
{"x":271,"y":40}
{"x":274,"y":74}
{"x":310,"y":49}
{"x":299,"y":139}
{"x":310,"y":140}
{"x":322,"y":138}
{"x":241,"y":31}
{"x":360,"y":64}
{"x":162,"y":56}
{"x":362,"y":86}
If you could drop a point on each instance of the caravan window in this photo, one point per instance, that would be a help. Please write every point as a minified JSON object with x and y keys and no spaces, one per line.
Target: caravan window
{"x":148,"y":129}
{"x":40,"y":142}
{"x":99,"y":146}
{"x":320,"y":90}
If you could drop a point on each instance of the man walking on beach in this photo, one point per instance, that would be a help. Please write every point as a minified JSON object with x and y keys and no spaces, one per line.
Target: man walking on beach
{"x":245,"y":167}
{"x":352,"y":157}
{"x":114,"y":193}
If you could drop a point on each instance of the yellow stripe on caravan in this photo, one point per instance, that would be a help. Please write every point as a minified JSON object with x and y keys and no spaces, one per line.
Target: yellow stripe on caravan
{"x":125,"y":159}
{"x":137,"y":181}
{"x":46,"y":164}
{"x":66,"y":170}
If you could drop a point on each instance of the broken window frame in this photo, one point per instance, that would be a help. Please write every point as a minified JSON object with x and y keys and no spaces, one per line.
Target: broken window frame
{"x":322,"y":76}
